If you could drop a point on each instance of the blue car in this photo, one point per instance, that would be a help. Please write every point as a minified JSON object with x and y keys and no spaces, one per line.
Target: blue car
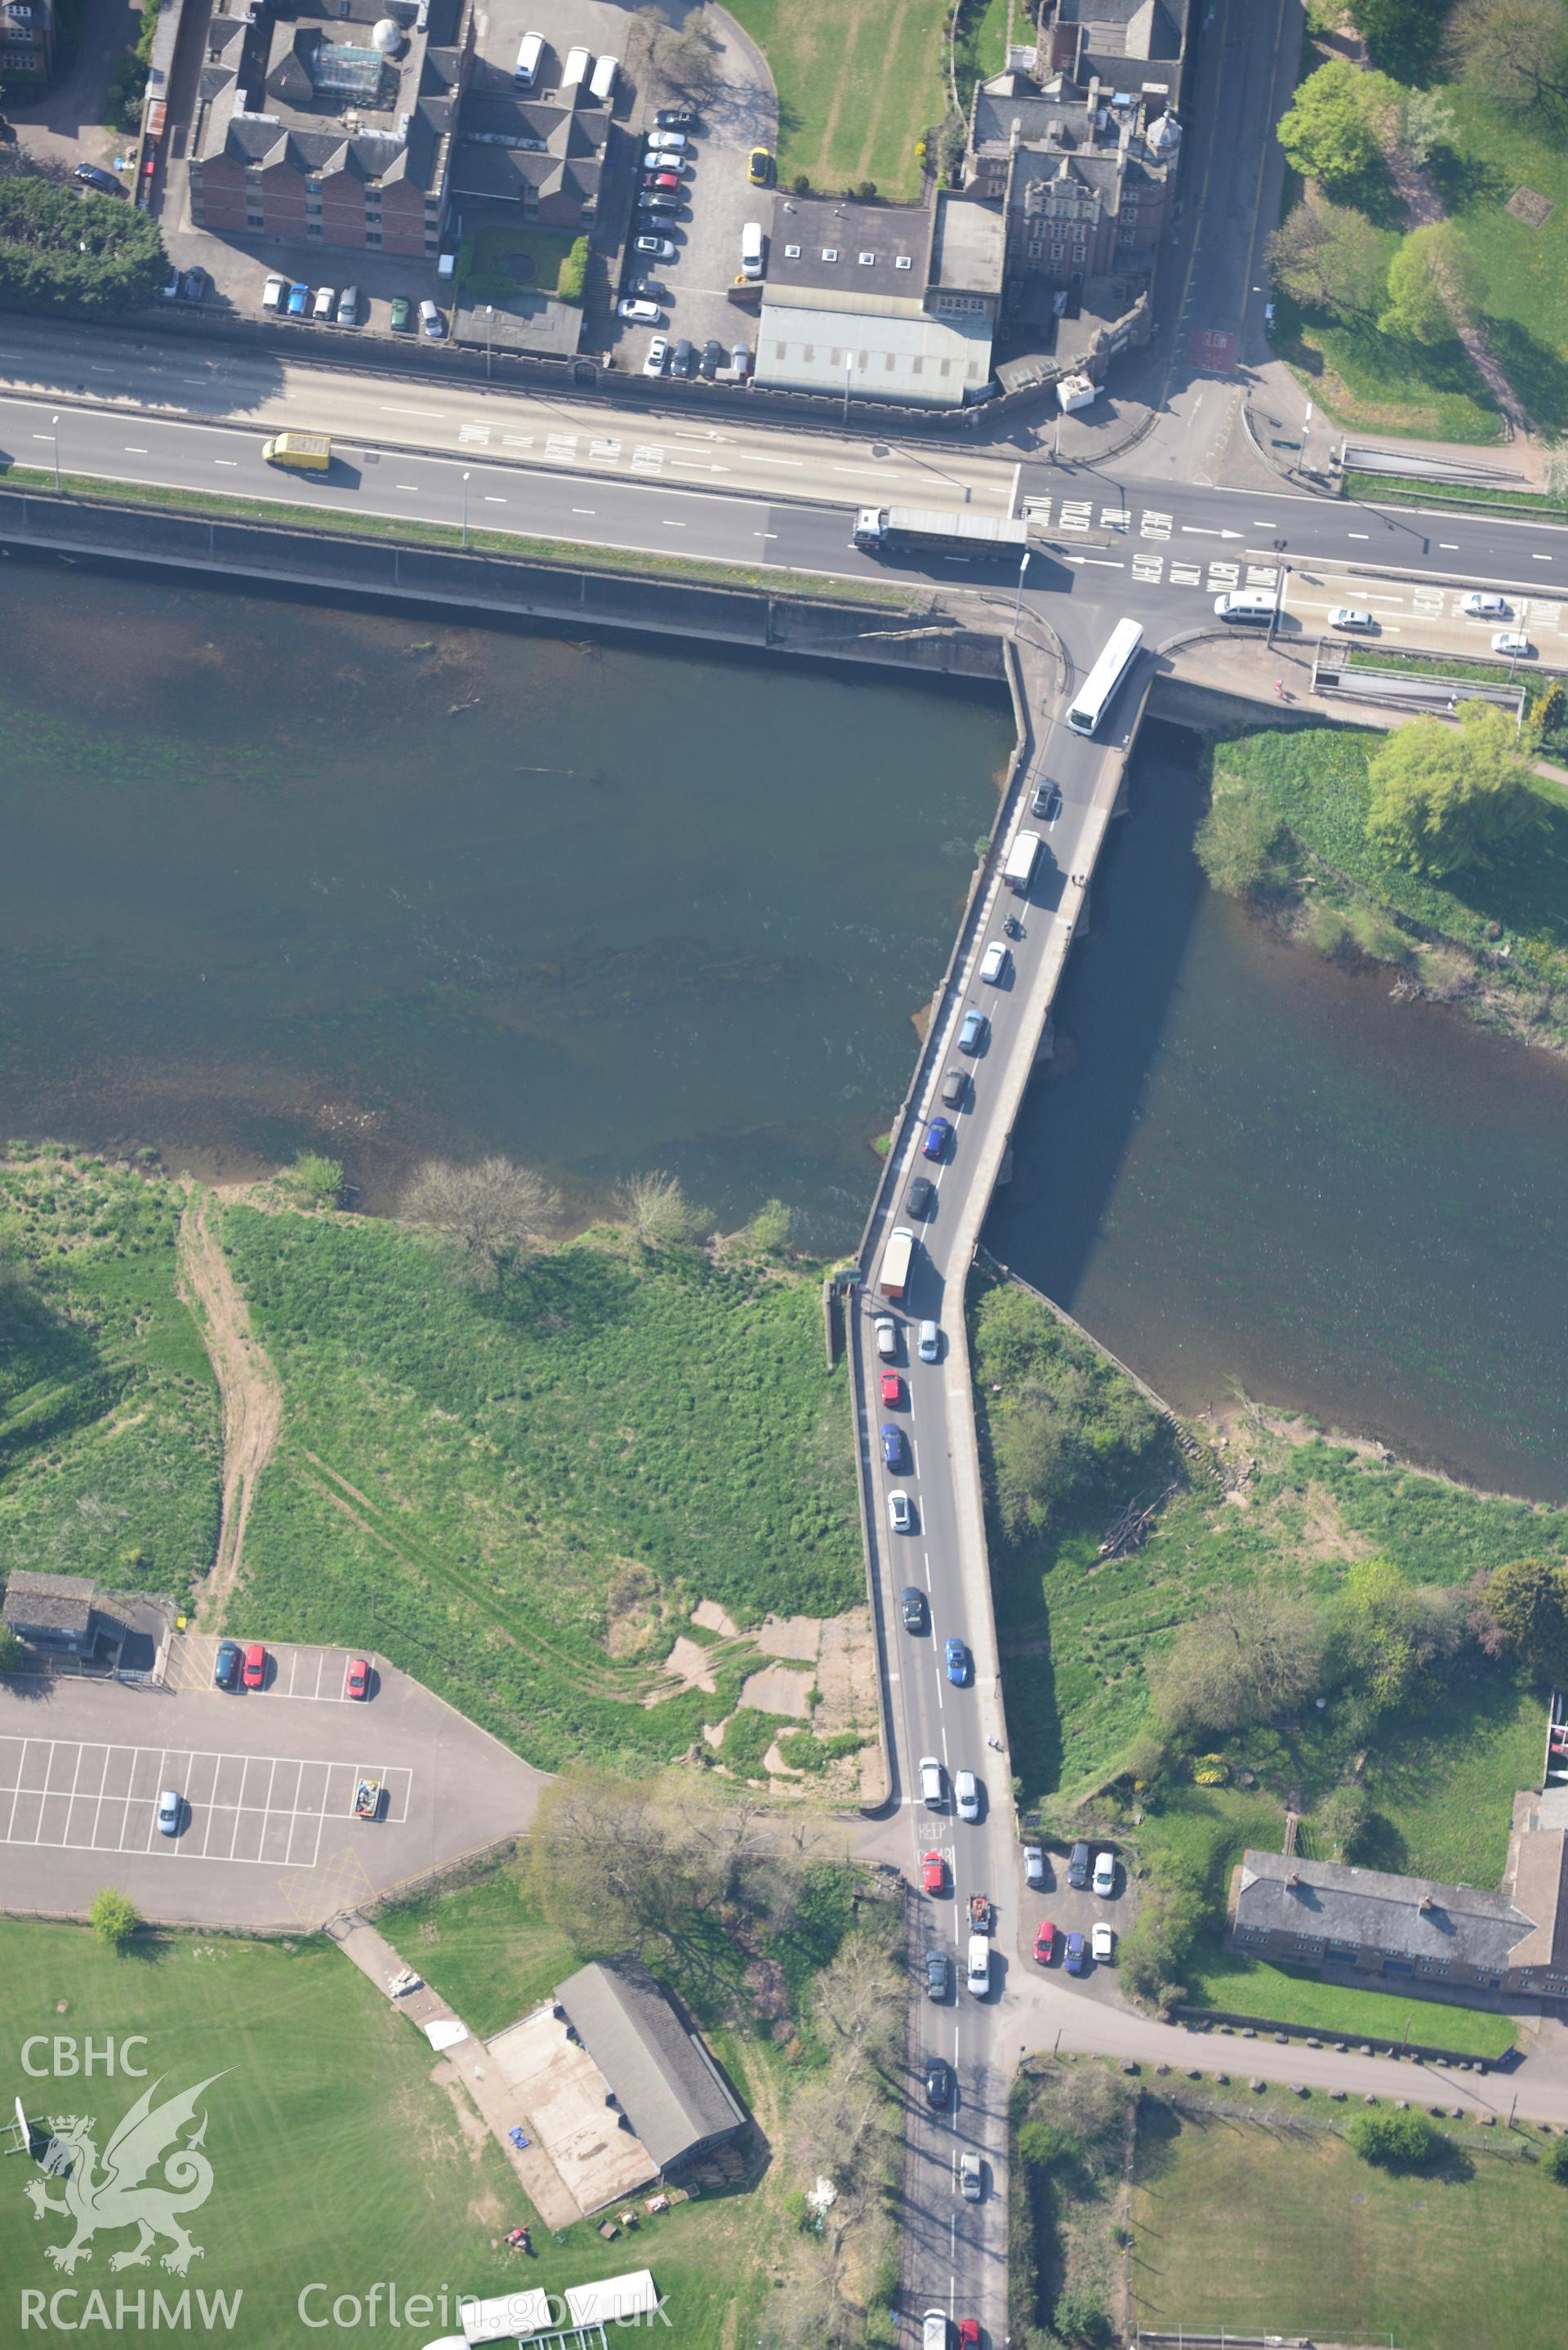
{"x":959,"y":1664}
{"x":1075,"y":1958}
{"x":893,"y":1446}
{"x":298,"y":295}
{"x":939,"y":1134}
{"x":973,"y":1033}
{"x":226,"y":1665}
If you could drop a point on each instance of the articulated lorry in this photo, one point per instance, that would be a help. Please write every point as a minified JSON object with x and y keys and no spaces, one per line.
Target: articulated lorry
{"x":914,"y":530}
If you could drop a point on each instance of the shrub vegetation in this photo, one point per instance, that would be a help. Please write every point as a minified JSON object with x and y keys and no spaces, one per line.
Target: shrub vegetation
{"x":83,"y":256}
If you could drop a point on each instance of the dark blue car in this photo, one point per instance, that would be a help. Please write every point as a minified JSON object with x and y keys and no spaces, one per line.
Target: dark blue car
{"x":226,"y":1665}
{"x":1075,"y":1958}
{"x":959,"y":1664}
{"x":939,"y":1134}
{"x":893,"y":1446}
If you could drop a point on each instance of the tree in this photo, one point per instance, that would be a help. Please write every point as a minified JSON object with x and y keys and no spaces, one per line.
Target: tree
{"x":1341,"y":1821}
{"x":493,"y":1211}
{"x":1237,"y":845}
{"x":1255,"y":1654}
{"x":10,"y":1649}
{"x":690,"y":61}
{"x":1394,"y":1632}
{"x":1028,"y":1445}
{"x":1426,"y":124}
{"x":1548,"y":712}
{"x":1554,"y":478}
{"x":1515,"y":50}
{"x":1419,"y":288}
{"x":1329,"y":257}
{"x":1444,"y":798}
{"x":1330,"y":133}
{"x":1393,"y":2140}
{"x":768,"y":1232}
{"x":657,"y":1211}
{"x":114,"y":1918}
{"x":315,"y":1178}
{"x":93,"y":256}
{"x":1555,"y":2161}
{"x":1156,"y":1945}
{"x":1080,"y":2318}
{"x":1401,"y":35}
{"x":1521,"y":1610}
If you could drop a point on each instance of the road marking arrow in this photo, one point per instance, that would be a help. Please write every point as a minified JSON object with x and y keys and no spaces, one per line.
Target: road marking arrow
{"x":1196,"y":530}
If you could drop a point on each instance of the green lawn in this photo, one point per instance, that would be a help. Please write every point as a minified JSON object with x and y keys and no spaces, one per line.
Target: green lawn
{"x":1376,"y":383}
{"x":485,"y":254}
{"x":484,"y":1948}
{"x":1223,"y":1979}
{"x":338,"y":2158}
{"x":858,"y":87}
{"x":1263,"y":2231}
{"x":1518,"y":275}
{"x":520,"y":1493}
{"x":1449,"y":497}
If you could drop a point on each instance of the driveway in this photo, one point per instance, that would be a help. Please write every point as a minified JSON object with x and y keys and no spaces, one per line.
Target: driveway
{"x":66,"y":125}
{"x":267,"y":1835}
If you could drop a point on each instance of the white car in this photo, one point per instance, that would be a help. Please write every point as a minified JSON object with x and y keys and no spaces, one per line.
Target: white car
{"x":1034,"y":1865}
{"x":900,"y":1512}
{"x":657,"y":352}
{"x":275,"y":292}
{"x":1479,"y":606}
{"x":966,"y":1795}
{"x":170,"y":1809}
{"x":326,"y":302}
{"x":1509,"y":641}
{"x":971,"y":2178}
{"x":887,"y":1331}
{"x":994,"y":965}
{"x":672,"y":142}
{"x":640,"y":314}
{"x":1104,"y":1875}
{"x":930,"y":1342}
{"x":654,"y":162}
{"x":659,"y":247}
{"x":931,"y":1783}
{"x":1346,"y":617}
{"x":1102,"y":1941}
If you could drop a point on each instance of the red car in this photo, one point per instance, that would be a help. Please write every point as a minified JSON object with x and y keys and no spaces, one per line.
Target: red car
{"x":256,"y":1666}
{"x":358,"y":1681}
{"x":892,"y":1387}
{"x":968,"y":2334}
{"x":1045,"y":1944}
{"x":933,"y":1873}
{"x":668,"y":179}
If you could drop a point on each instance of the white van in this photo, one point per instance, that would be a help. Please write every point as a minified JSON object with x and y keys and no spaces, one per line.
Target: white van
{"x":525,"y":72}
{"x":1254,"y":603}
{"x":605,"y":70}
{"x":577,"y":66}
{"x":752,"y":249}
{"x":979,"y":1971}
{"x":934,"y":2330}
{"x":931,"y":1782}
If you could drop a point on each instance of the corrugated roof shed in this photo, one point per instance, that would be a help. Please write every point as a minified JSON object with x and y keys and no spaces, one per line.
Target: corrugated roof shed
{"x":666,"y":2083}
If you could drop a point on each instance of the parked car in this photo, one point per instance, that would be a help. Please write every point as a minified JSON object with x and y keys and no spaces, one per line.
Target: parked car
{"x":226,"y":1665}
{"x":892,"y":1389}
{"x":912,"y":1608}
{"x":887,"y":1334}
{"x":298,"y":295}
{"x":712,"y":357}
{"x":1345,"y":616}
{"x":936,"y":1974}
{"x":1044,"y":1942}
{"x":759,"y":164}
{"x":171,"y":285}
{"x":1047,"y":801}
{"x":325,"y":304}
{"x":658,"y":248}
{"x":432,"y":326}
{"x":677,"y":117}
{"x":662,"y":167}
{"x":351,"y":308}
{"x":966,"y":1795}
{"x":1035,"y":1871}
{"x":1102,"y":1941}
{"x":1104,"y":1875}
{"x":101,"y":182}
{"x":938,"y":1136}
{"x":1073,"y":1959}
{"x":356,"y":1681}
{"x":894,"y":1448}
{"x":1079,"y":1866}
{"x":930,"y":1342}
{"x":972,"y":1035}
{"x":955,"y":1086}
{"x":656,"y":353}
{"x":741,"y":359}
{"x":959,"y":1664}
{"x":669,"y":180}
{"x":1509,"y":640}
{"x":900,"y":1512}
{"x":648,"y":289}
{"x":275,"y":292}
{"x":933,"y":1873}
{"x":256,"y":1666}
{"x":939,"y":2081}
{"x":995,"y":963}
{"x":641,"y":314}
{"x":1482,"y":605}
{"x":922,"y":1196}
{"x":170,"y":1809}
{"x":971,"y":2178}
{"x":657,"y":203}
{"x":968,"y":2334}
{"x":402,"y":314}
{"x":671,"y":142}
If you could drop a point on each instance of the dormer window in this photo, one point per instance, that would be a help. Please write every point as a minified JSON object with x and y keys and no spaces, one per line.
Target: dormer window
{"x":902,"y":261}
{"x":867,"y":260}
{"x":791,"y":253}
{"x":830,"y":252}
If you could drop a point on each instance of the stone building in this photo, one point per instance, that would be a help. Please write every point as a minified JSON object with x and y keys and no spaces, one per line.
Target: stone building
{"x":27,"y":30}
{"x":53,"y":1612}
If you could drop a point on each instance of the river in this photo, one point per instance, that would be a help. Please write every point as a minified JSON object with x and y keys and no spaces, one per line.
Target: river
{"x":1254,"y":1170}
{"x":279,"y":875}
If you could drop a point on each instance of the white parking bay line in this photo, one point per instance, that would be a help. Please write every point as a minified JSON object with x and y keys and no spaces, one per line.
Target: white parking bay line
{"x":386,"y":410}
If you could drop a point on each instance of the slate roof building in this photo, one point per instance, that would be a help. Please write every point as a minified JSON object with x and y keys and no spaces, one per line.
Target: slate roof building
{"x":27,"y":30}
{"x":546,"y":155}
{"x":51,"y":1611}
{"x":674,"y":2097}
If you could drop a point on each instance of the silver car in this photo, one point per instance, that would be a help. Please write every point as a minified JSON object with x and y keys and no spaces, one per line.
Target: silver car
{"x":171,"y":1805}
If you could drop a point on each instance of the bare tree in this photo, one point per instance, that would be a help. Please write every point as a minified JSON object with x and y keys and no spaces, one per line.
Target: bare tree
{"x":690,"y":61}
{"x":1516,"y":50}
{"x":493,"y":1210}
{"x":657,"y":1211}
{"x":1254,"y":1655}
{"x":858,"y":2009}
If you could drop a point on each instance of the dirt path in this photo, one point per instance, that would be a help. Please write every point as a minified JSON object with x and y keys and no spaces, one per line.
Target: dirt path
{"x":252,"y":1405}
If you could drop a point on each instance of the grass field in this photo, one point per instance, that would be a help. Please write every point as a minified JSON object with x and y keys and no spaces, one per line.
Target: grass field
{"x":519,"y":1494}
{"x":109,"y":1439}
{"x":1251,"y":1987}
{"x":1261,"y":2229}
{"x":1518,"y":275}
{"x":338,"y":2158}
{"x":1450,"y":497}
{"x":858,"y":87}
{"x":1377,"y":383}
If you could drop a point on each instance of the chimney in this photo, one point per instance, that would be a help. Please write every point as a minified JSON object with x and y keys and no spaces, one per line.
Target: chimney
{"x":1426,"y":1905}
{"x":1293,"y":1882}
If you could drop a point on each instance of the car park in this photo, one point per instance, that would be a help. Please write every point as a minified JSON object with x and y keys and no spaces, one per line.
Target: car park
{"x":1047,"y":801}
{"x":955,"y":1086}
{"x":1102,"y":1941}
{"x":922,"y":1196}
{"x":938,"y":1136}
{"x":892,"y":1389}
{"x":894,"y":1449}
{"x":939,"y":2081}
{"x":1073,"y":1959}
{"x":936,"y":1974}
{"x":432,"y":326}
{"x":973,"y":1033}
{"x":912,"y":1608}
{"x":759,"y":166}
{"x":356,"y":1681}
{"x":275,"y":292}
{"x":1044,"y":1942}
{"x":256,"y":1666}
{"x":886,"y":1332}
{"x":298,"y":295}
{"x":966,"y":1795}
{"x":1035,"y":1871}
{"x":402,"y":314}
{"x":1511,"y":642}
{"x":995,"y":963}
{"x":971,"y":2178}
{"x":1345,"y":616}
{"x":900,"y":1512}
{"x":933,"y":1873}
{"x":1480,"y":604}
{"x":656,"y":353}
{"x":226,"y":1665}
{"x":930,"y":1343}
{"x":672,"y":142}
{"x":326,"y":302}
{"x":658,"y":248}
{"x":959,"y":1664}
{"x":931,"y":1791}
{"x":640,"y":314}
{"x":1104,"y":1875}
{"x":351,"y":308}
{"x":171,"y":1807}
{"x":101,"y":182}
{"x":1079,"y":1866}
{"x":676,"y":117}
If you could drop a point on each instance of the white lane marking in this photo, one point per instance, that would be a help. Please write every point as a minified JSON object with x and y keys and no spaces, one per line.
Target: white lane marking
{"x":386,"y":410}
{"x":1541,"y":558}
{"x":193,"y":378}
{"x":412,"y":488}
{"x":1105,"y":562}
{"x":96,"y":369}
{"x":43,"y":436}
{"x":229,"y":461}
{"x":1449,"y":545}
{"x":134,"y":453}
{"x":493,"y":502}
{"x":584,"y":510}
{"x":674,"y":525}
{"x":1359,"y":533}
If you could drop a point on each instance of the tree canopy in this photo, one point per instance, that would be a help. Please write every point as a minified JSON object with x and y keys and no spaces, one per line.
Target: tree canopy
{"x":1419,"y":288}
{"x":94,"y":256}
{"x":1521,"y":1609}
{"x":1401,"y":35}
{"x":1329,"y":133}
{"x":1446,"y":797}
{"x":1238,"y":842}
{"x":1395,"y":2140}
{"x":1329,"y":257}
{"x":1256,"y":1653}
{"x":1515,"y":50}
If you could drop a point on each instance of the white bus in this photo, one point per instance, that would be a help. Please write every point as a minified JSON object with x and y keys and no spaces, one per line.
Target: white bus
{"x":1097,"y":692}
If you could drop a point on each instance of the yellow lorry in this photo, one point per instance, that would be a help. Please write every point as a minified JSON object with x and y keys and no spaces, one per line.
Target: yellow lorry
{"x":300,"y":452}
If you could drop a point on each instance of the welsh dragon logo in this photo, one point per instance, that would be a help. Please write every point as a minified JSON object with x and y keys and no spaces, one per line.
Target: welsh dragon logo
{"x":120,"y":2194}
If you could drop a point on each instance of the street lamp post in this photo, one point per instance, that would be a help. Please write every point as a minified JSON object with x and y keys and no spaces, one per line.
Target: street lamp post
{"x":55,"y":436}
{"x":1018,"y":604}
{"x":465,"y":514}
{"x":848,"y":375}
{"x":489,"y":329}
